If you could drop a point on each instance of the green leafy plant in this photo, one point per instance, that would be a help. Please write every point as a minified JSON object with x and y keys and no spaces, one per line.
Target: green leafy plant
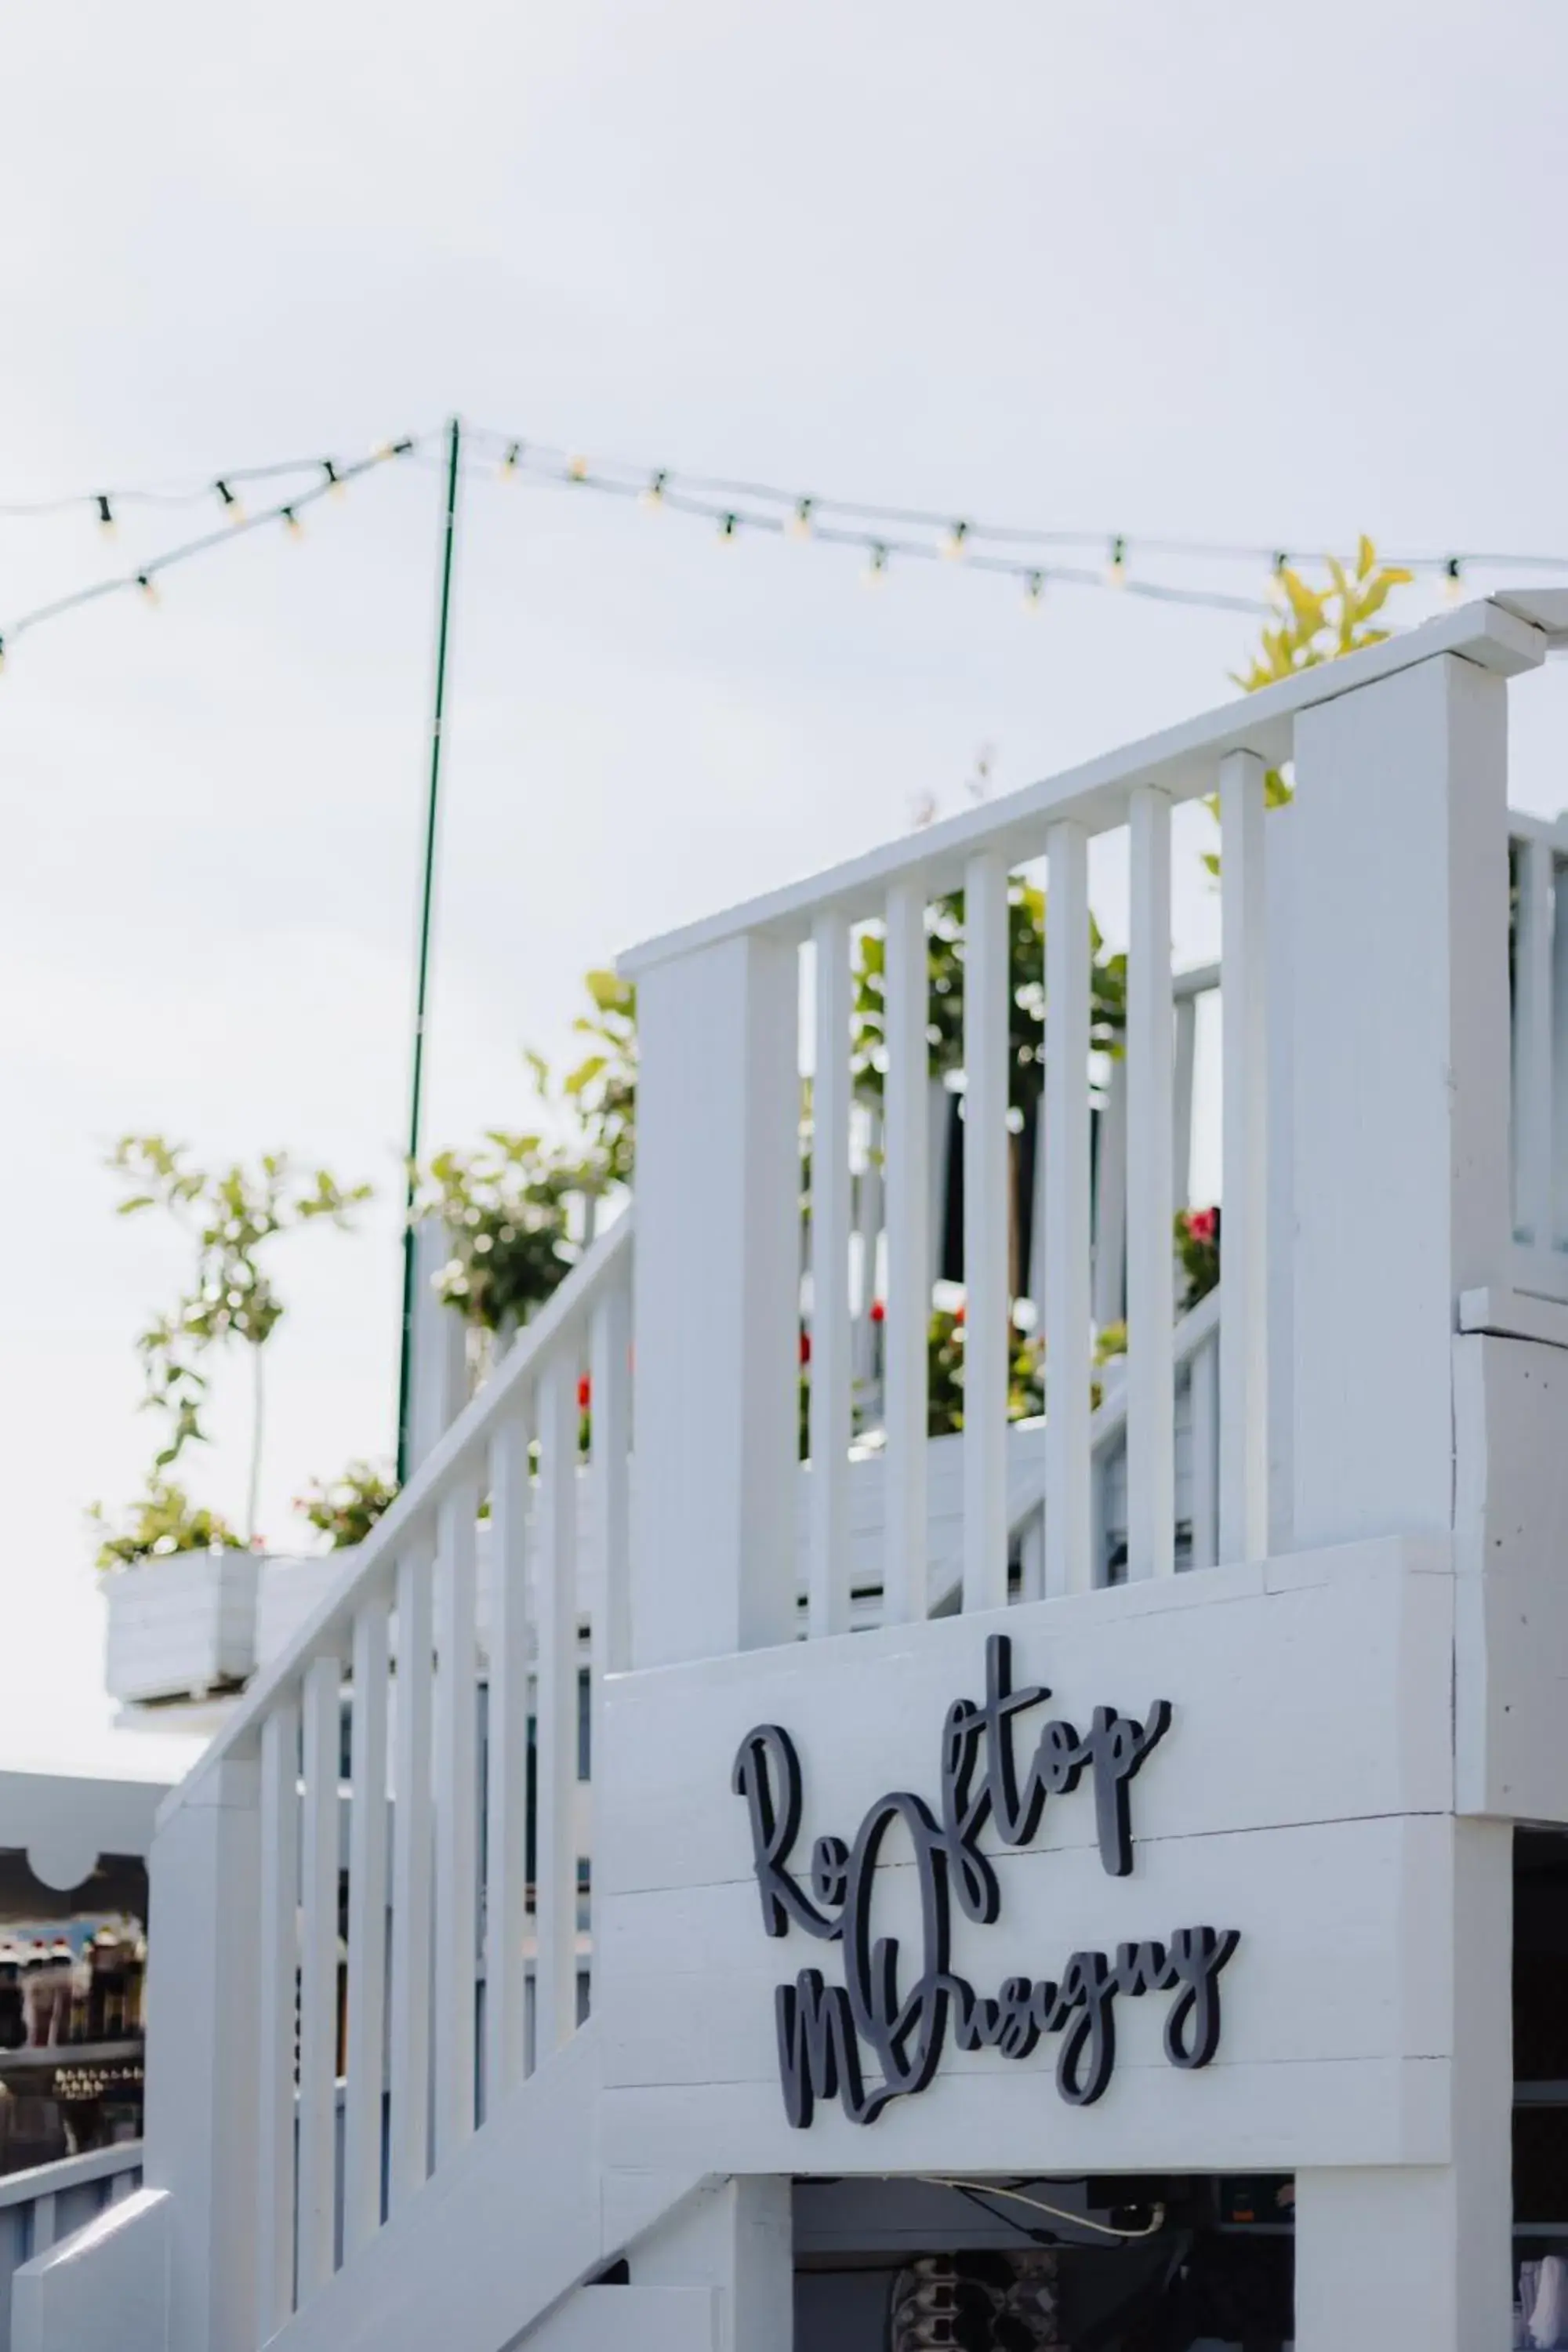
{"x":346,"y":1508}
{"x":230,"y":1215}
{"x":1197,"y":1247}
{"x":162,"y":1523}
{"x":507,"y":1203}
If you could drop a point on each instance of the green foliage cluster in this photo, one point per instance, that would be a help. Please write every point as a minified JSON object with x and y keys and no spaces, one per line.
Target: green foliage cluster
{"x":346,"y":1508}
{"x":162,"y":1522}
{"x":230,"y":1216}
{"x":507,"y":1203}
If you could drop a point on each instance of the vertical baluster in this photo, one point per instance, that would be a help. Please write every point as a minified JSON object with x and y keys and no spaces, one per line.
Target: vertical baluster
{"x":1110,"y":1203}
{"x":987,"y":1000}
{"x":905,"y":1358}
{"x":367,"y":1928}
{"x":870,"y":1213}
{"x":278,"y":1960}
{"x":1069,"y":1560}
{"x":457,"y":1816}
{"x":829,"y":1568}
{"x":1244,"y":1324}
{"x":611,"y":1437}
{"x":410,"y":2050}
{"x":506,"y":1814}
{"x":555,"y":1891}
{"x":1559,"y":1054}
{"x":1151,"y":1289}
{"x":319,"y":1974}
{"x":1204,"y":1414}
{"x":1182,"y":1131}
{"x":1532,"y":1055}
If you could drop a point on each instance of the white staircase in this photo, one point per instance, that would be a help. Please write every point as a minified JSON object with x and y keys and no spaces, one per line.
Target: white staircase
{"x":440,"y":2040}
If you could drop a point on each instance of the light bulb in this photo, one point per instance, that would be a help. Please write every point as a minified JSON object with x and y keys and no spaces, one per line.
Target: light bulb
{"x":147,"y":587}
{"x":876,"y":570}
{"x":653,"y":496}
{"x":577,"y":469}
{"x":105,"y":514}
{"x":232,"y":508}
{"x":799,"y":523}
{"x":1453,"y":582}
{"x":292,"y":524}
{"x":954,"y":540}
{"x":1116,"y":569}
{"x":509,"y":463}
{"x":728,"y":525}
{"x":1276,"y":571}
{"x":334,"y":480}
{"x":1034,"y":592}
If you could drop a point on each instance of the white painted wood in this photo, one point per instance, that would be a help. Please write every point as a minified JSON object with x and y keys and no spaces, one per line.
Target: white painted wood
{"x":1069,"y":1563}
{"x":438,"y":1379}
{"x":409,"y":2048}
{"x":101,"y":2288}
{"x":1151,"y":1303}
{"x":1280,"y":932}
{"x":907,"y":1140}
{"x":987,"y":1304}
{"x":1401,"y":1040}
{"x":717,"y":1304}
{"x":43,"y":2225}
{"x":1534,"y":1046}
{"x":321,"y":1721}
{"x":1559,"y":1080}
{"x":1515,"y":1314}
{"x":1110,"y":1202}
{"x":506,"y":1823}
{"x":456,"y":1817}
{"x":1204,"y":1389}
{"x":1180,"y":762}
{"x":278,"y":1957}
{"x":611,"y":1348}
{"x":368,"y":1827}
{"x":1399,"y":2255}
{"x":1183,"y":1070}
{"x":828,"y":1608}
{"x":1244,"y":1331}
{"x":556,"y":1889}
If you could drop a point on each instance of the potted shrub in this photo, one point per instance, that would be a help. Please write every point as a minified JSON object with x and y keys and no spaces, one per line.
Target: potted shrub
{"x":181,"y":1619}
{"x":180,"y":1583}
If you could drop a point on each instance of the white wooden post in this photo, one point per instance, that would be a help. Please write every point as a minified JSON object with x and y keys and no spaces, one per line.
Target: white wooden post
{"x":716,"y":1302}
{"x":437,"y":1375}
{"x":1400,"y":1117}
{"x":1423,"y":2255}
{"x":202,"y":2080}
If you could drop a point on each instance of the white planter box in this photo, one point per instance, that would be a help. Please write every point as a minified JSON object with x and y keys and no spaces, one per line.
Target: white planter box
{"x":183,"y":1626}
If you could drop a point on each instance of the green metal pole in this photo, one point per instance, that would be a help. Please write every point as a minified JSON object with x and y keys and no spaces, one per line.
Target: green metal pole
{"x":426,"y":903}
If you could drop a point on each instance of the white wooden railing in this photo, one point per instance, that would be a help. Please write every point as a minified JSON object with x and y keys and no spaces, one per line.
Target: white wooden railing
{"x":462,"y":1965}
{"x":1539,"y":973}
{"x":48,"y":2201}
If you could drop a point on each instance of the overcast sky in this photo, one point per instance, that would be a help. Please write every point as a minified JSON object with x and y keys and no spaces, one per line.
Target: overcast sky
{"x":1275,"y":275}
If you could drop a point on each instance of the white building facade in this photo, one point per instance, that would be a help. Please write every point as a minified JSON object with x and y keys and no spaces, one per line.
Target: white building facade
{"x":1170,"y":1916}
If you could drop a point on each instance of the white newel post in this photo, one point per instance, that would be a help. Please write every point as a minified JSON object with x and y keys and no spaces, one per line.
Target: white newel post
{"x":716,"y":1302}
{"x":1422,"y":2254}
{"x":1401,"y":1050}
{"x":201,"y":2122}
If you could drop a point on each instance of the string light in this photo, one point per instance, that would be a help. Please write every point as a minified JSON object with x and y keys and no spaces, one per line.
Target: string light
{"x":105,"y":514}
{"x":232,"y":507}
{"x":799,"y":523}
{"x":292,"y":524}
{"x":509,"y":464}
{"x":653,"y":496}
{"x":955,"y":541}
{"x":876,"y":572}
{"x":1034,"y":592}
{"x":729,"y":525}
{"x":1276,"y":571}
{"x":577,"y":469}
{"x":334,"y":480}
{"x":1453,"y":582}
{"x":148,"y":586}
{"x":1116,"y":569}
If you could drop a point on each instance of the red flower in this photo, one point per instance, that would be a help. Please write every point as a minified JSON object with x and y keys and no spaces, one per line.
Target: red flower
{"x":1203,"y":1224}
{"x":805,"y":1347}
{"x":958,"y":1312}
{"x":878,"y":1312}
{"x":584,"y":1391}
